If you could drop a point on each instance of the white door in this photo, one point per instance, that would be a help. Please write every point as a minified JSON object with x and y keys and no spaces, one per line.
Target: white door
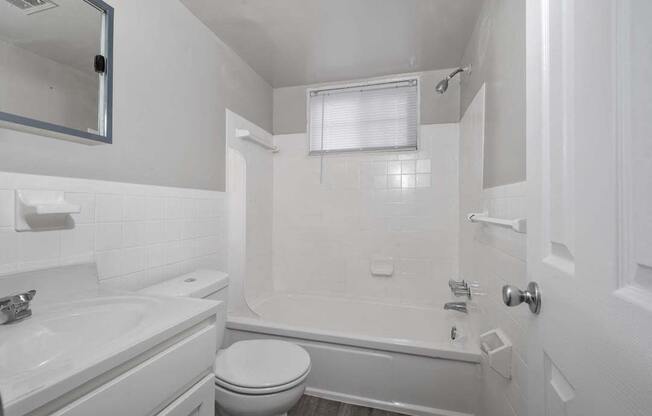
{"x":589,"y":117}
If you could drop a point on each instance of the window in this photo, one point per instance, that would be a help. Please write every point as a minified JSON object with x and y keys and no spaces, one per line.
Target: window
{"x":378,"y":116}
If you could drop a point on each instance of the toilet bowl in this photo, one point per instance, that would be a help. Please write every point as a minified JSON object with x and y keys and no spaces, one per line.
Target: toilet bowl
{"x":260,"y":377}
{"x":233,"y":404}
{"x":254,"y":377}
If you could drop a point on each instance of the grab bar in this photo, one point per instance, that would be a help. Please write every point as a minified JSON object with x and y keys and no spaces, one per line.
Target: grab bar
{"x":246,"y":135}
{"x":519,"y":225}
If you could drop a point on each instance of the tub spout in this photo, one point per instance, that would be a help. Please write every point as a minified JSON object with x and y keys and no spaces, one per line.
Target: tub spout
{"x":456,"y":306}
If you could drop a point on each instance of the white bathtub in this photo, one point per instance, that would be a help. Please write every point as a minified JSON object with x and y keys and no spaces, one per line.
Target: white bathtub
{"x":392,"y":357}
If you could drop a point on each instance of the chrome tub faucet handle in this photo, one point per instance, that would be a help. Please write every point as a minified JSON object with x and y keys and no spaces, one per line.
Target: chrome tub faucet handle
{"x":463,"y":288}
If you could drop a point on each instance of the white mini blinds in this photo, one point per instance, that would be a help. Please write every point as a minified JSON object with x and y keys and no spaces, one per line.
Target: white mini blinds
{"x":377,"y":116}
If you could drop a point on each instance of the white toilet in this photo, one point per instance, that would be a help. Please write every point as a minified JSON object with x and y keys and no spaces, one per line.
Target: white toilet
{"x":252,"y":378}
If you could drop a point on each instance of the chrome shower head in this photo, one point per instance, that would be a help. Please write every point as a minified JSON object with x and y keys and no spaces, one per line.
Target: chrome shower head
{"x":442,"y":86}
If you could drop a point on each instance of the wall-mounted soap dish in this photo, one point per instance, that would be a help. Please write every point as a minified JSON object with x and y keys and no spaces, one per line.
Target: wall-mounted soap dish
{"x":42,"y":210}
{"x":381,"y":267}
{"x":497,"y":348}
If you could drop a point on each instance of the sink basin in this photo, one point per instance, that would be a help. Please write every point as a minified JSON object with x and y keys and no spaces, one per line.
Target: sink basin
{"x":79,"y":332}
{"x":56,"y":334}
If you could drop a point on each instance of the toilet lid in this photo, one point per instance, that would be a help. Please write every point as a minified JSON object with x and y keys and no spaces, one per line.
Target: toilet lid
{"x":261,"y":363}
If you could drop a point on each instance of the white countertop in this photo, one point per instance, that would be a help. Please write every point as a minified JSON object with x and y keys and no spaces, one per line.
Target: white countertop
{"x":101,"y":330}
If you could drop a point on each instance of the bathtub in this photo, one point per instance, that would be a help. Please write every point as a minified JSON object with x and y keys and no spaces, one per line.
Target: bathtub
{"x":391,"y":357}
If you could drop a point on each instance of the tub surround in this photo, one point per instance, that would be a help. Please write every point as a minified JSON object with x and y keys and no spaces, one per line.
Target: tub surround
{"x":330,"y":227}
{"x":397,"y":207}
{"x":251,"y":188}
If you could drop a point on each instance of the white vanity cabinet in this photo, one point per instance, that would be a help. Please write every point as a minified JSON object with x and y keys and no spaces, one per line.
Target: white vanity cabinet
{"x":173,"y":379}
{"x":199,"y":400}
{"x":89,"y":351}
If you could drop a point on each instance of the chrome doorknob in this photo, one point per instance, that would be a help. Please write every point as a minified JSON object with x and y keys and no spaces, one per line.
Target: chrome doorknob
{"x":513,"y":296}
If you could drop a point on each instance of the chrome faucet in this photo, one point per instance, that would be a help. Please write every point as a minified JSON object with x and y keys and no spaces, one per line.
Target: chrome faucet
{"x":456,"y":284}
{"x":16,"y":307}
{"x":456,"y":306}
{"x":460,"y":289}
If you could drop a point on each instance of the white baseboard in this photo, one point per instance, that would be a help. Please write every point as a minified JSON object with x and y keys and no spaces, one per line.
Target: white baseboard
{"x":407,"y":409}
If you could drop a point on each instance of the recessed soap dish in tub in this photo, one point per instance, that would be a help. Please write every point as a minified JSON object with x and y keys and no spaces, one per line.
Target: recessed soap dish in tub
{"x":497,"y":348}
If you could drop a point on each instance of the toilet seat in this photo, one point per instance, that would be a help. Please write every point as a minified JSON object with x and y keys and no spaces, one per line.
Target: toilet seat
{"x":260,"y":391}
{"x":258,"y":367}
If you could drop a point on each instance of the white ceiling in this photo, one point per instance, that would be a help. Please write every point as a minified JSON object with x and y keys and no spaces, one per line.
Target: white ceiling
{"x":295,"y":42}
{"x":69,"y":34}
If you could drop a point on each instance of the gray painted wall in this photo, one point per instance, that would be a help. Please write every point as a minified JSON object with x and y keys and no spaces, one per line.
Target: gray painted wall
{"x":497,"y":53}
{"x":173,"y":80}
{"x":290,"y":103}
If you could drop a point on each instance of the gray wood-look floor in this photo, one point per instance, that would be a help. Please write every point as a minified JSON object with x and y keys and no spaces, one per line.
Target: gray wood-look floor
{"x":314,"y":406}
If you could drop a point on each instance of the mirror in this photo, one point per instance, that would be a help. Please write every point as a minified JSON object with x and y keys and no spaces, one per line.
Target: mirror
{"x":56,"y":68}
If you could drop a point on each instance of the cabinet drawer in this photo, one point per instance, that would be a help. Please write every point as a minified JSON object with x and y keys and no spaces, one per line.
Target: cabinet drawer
{"x":199,"y":400}
{"x":156,"y":381}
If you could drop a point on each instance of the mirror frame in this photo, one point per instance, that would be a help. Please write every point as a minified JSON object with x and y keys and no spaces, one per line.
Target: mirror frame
{"x":105,"y":103}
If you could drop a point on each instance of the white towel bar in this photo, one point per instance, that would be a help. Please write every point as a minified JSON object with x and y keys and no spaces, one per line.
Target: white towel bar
{"x":246,"y":135}
{"x":519,"y":225}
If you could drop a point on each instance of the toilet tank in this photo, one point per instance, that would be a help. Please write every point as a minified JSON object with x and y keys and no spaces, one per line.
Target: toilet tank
{"x":202,"y":284}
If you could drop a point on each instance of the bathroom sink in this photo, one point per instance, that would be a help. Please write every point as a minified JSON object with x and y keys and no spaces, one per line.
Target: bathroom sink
{"x":56,"y":335}
{"x":79,"y":332}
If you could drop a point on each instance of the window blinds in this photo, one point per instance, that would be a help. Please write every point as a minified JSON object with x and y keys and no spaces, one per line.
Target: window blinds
{"x":370,"y":117}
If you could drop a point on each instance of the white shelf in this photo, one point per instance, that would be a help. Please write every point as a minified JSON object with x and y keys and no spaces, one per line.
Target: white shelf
{"x":519,"y":225}
{"x":246,"y":135}
{"x":42,"y":210}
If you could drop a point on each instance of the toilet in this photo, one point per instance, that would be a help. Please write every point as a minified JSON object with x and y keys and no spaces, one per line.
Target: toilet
{"x":262,"y":377}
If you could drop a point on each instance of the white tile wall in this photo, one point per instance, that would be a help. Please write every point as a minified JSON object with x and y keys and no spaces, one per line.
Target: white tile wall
{"x":137,"y":234}
{"x":401,"y":206}
{"x":6,"y":209}
{"x":256,"y":172}
{"x":493,"y":257}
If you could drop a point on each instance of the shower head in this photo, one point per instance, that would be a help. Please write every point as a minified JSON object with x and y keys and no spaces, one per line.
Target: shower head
{"x":442,"y":86}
